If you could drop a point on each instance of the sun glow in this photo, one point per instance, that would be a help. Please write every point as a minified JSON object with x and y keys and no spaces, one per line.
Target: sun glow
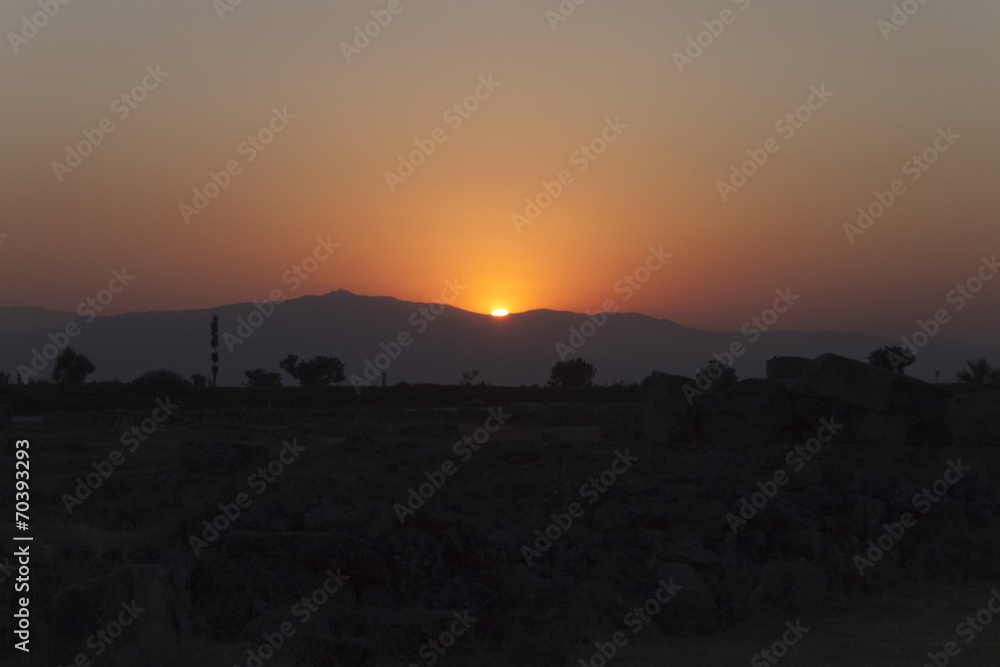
{"x":500,"y":312}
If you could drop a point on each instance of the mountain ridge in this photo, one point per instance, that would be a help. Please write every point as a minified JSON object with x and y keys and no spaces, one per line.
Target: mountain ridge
{"x":517,"y":349}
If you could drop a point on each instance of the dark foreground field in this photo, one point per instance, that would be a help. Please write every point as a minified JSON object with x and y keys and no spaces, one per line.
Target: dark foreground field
{"x":324,"y":547}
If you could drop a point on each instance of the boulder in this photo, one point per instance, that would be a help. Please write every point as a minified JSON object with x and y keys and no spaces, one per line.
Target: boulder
{"x":693,"y":609}
{"x":786,"y":368}
{"x":854,"y":382}
{"x":887,"y":408}
{"x":153,"y":605}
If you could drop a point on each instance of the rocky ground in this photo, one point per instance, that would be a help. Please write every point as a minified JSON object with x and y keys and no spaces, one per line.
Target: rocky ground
{"x":393,"y":537}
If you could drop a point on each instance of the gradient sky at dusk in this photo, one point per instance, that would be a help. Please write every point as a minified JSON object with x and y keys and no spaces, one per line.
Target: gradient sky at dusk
{"x":656,"y":185}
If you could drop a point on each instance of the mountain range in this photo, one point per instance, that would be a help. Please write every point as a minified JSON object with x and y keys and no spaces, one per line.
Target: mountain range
{"x":416,"y":342}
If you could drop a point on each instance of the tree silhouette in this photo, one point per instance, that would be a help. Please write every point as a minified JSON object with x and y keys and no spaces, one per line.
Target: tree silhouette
{"x":259,"y":377}
{"x":575,"y":373}
{"x":316,"y":372}
{"x":893,"y":358}
{"x":161,"y":382}
{"x":71,"y":367}
{"x":215,"y":353}
{"x":979,"y":372}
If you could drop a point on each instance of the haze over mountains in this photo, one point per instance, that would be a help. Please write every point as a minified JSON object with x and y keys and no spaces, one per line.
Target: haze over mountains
{"x":518,"y":349}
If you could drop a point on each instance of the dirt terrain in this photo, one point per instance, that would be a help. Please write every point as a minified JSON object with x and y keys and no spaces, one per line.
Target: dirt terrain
{"x":615,"y":520}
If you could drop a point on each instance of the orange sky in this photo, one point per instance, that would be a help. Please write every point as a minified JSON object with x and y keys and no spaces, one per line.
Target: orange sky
{"x":553,"y":91}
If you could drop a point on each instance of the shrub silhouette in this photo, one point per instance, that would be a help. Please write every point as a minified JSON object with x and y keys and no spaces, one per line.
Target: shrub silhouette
{"x":316,"y":372}
{"x":893,"y":358}
{"x":260,"y":378}
{"x":715,"y":375}
{"x":978,"y":372}
{"x":71,"y":367}
{"x":160,"y":382}
{"x":575,"y":373}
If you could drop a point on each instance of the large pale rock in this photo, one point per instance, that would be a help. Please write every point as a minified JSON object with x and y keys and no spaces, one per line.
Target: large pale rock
{"x":693,"y":609}
{"x":887,"y":408}
{"x":786,"y":368}
{"x":153,"y":600}
{"x":854,"y":382}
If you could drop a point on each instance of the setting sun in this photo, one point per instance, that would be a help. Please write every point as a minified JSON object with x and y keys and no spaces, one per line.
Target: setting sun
{"x":500,"y":312}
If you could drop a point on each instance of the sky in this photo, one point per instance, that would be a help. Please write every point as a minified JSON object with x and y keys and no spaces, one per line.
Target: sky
{"x":253,"y":136}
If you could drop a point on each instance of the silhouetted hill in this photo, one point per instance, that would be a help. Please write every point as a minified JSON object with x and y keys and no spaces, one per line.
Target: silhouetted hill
{"x":518,"y":349}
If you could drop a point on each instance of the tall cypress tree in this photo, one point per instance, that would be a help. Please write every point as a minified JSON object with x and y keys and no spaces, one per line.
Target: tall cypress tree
{"x":215,"y":347}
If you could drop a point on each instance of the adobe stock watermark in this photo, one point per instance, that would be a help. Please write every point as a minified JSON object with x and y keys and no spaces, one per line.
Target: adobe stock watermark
{"x":420,"y":320}
{"x":900,"y":16}
{"x":627,"y":287}
{"x":970,"y":629}
{"x":779,"y":649}
{"x":959,"y":297}
{"x":592,"y":490}
{"x":562,"y":13}
{"x":365,"y":34}
{"x":223,"y":7}
{"x":104,"y":637}
{"x":787,"y":126}
{"x":464,"y":450}
{"x":33,"y":24}
{"x":249,"y":149}
{"x":455,"y":116}
{"x":701,"y":42}
{"x":131,"y":438}
{"x":796,"y":459}
{"x":753,"y":328}
{"x":915,"y":168}
{"x":259,"y":481}
{"x":582,"y":158}
{"x":122,"y":107}
{"x":304,"y":610}
{"x":87,"y":309}
{"x":923,"y":501}
{"x":636,"y":620}
{"x":294,"y":277}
